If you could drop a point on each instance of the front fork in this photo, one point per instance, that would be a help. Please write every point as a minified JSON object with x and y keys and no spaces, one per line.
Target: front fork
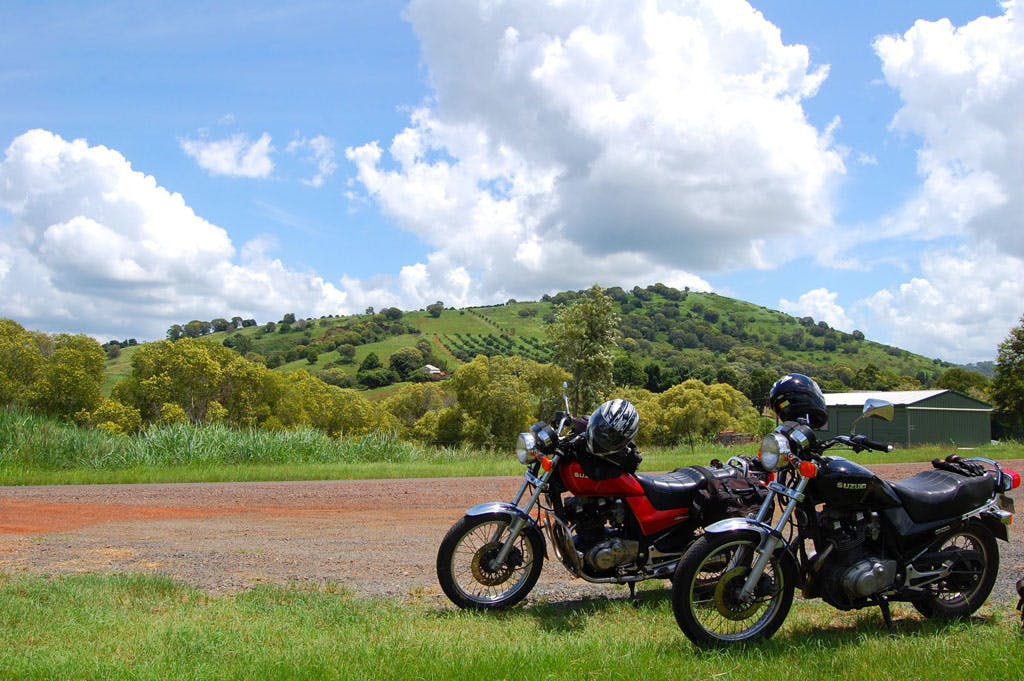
{"x":539,"y":484}
{"x":771,"y":541}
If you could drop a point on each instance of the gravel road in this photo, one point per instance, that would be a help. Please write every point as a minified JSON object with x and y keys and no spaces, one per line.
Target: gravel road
{"x":374,"y":538}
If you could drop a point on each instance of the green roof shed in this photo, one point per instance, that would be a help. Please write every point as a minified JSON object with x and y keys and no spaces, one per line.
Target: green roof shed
{"x":921,"y":417}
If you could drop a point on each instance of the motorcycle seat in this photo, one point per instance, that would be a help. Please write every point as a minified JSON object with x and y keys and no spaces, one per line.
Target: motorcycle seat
{"x":936,"y":494}
{"x":677,"y":488}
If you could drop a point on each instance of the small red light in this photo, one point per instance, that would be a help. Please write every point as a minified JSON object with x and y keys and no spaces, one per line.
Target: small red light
{"x":1014,"y":478}
{"x":545,"y":463}
{"x":808,"y":469}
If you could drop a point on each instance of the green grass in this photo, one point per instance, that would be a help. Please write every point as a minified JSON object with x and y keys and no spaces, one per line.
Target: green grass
{"x":35,"y":450}
{"x":134,"y":627}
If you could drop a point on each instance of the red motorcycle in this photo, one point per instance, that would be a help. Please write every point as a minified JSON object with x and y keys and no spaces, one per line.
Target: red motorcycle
{"x":605,"y":522}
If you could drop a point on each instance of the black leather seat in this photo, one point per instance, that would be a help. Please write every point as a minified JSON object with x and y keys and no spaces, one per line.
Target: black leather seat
{"x":936,"y":494}
{"x":677,"y":488}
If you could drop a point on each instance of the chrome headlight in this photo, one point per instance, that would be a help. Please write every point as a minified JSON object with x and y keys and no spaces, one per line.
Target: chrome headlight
{"x":774,"y":452}
{"x":526,"y":448}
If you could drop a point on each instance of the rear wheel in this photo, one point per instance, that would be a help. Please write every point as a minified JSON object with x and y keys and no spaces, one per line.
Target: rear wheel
{"x":466,"y":569}
{"x":973,"y":556}
{"x":706,"y":591}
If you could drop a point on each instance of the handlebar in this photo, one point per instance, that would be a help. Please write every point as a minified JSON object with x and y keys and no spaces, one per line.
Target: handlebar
{"x":864,"y":442}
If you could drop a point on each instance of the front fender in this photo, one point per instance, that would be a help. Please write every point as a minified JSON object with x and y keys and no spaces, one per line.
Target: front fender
{"x":503,"y":507}
{"x":738,"y":524}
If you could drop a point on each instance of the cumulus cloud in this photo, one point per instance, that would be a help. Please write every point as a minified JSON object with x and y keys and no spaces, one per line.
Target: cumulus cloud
{"x":234,"y":156}
{"x":960,"y":307}
{"x":819,"y":303}
{"x":574,"y":142}
{"x":962,"y":91}
{"x":95,"y":246}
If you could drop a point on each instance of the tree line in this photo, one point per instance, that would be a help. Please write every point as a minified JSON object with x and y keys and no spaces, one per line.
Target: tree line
{"x":486,"y":402}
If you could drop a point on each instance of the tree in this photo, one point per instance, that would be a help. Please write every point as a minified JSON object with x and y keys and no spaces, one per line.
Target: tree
{"x":187,"y":372}
{"x":405,"y":361}
{"x":627,"y":371}
{"x":965,"y":381}
{"x":693,"y":410}
{"x":583,"y":336}
{"x":20,"y":362}
{"x":435,"y":309}
{"x":1008,"y":384}
{"x":499,"y":396}
{"x":71,"y":378}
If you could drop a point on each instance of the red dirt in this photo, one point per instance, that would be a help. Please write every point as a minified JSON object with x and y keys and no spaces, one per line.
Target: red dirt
{"x":374,"y":538}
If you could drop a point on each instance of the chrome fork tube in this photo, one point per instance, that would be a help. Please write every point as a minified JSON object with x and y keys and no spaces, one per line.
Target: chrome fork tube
{"x":519,"y":521}
{"x":772,"y":541}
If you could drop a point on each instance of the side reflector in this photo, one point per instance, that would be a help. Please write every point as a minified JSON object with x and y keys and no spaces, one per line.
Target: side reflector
{"x":808,"y":469}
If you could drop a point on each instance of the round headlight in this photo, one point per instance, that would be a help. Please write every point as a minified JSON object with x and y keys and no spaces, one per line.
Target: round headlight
{"x":774,"y":452}
{"x":526,"y":448}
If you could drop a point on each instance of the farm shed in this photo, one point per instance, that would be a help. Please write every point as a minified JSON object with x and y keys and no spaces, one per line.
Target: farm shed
{"x":922,"y":416}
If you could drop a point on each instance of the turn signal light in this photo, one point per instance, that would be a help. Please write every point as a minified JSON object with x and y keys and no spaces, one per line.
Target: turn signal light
{"x":545,"y":463}
{"x":808,"y":469}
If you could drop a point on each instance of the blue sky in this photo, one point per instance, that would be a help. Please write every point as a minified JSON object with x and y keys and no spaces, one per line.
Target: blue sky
{"x":855,"y":162}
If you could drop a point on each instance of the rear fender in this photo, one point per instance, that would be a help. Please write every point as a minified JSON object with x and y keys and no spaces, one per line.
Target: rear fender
{"x":995,"y":526}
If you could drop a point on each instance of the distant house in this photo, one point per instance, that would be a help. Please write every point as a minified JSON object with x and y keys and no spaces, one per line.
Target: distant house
{"x":921,"y":416}
{"x":432,"y":371}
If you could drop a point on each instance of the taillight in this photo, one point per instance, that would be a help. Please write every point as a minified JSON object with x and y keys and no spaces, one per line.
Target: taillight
{"x":1011,"y":479}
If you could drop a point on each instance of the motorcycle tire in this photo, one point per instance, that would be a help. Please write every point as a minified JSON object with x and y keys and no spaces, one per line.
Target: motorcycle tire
{"x":462,"y":562}
{"x":971,"y":581}
{"x":708,"y":579}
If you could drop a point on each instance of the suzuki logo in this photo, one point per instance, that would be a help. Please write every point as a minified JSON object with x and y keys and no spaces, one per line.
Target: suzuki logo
{"x":579,"y":475}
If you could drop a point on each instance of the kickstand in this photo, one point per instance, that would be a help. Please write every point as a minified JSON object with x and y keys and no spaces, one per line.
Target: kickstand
{"x":632,"y":594}
{"x":883,"y":605}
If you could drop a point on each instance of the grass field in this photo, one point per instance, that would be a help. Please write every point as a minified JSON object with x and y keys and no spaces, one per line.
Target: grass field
{"x":143,"y":627}
{"x":36,"y":451}
{"x":133,"y":627}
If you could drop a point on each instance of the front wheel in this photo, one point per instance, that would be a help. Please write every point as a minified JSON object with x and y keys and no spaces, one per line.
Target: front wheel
{"x":707,"y":584}
{"x":466,"y":569}
{"x":973,"y":559}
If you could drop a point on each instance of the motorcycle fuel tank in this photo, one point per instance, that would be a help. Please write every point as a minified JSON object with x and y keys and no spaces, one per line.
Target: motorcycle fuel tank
{"x":843,"y":484}
{"x":580,"y":484}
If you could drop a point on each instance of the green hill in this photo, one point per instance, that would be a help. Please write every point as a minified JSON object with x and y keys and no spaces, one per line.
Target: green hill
{"x":667,"y":336}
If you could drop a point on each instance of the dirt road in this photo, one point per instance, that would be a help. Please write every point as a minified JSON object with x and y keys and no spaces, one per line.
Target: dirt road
{"x":375,"y":538}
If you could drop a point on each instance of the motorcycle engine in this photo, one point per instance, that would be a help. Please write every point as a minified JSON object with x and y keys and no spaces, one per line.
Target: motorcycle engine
{"x":598,"y":525}
{"x":852,"y":571}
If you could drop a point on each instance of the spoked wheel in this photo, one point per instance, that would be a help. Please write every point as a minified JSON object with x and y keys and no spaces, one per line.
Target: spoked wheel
{"x":706,"y":591}
{"x":973,"y":559}
{"x":466,"y":567}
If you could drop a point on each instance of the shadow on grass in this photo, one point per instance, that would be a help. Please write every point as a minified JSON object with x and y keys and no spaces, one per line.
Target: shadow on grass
{"x":572,"y":614}
{"x":807,"y":631}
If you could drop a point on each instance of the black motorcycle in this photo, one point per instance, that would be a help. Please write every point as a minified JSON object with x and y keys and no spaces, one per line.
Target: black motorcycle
{"x":846,"y":536}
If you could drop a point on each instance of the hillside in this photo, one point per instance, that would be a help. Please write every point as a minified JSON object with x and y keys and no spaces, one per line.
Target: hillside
{"x":667,"y":337}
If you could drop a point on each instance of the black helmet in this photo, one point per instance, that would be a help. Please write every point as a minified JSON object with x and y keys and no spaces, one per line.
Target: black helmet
{"x":796,"y":396}
{"x":611,"y":427}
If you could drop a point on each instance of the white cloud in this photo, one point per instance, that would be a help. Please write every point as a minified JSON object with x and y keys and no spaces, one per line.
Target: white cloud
{"x":575,"y":142}
{"x":235,"y":156}
{"x":319,"y":151}
{"x":819,"y":303}
{"x":95,"y":246}
{"x":962,"y":90}
{"x":960,"y":308}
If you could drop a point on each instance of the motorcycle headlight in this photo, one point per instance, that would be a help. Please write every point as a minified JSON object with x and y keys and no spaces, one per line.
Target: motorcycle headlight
{"x":526,"y":448}
{"x":774,"y":452}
